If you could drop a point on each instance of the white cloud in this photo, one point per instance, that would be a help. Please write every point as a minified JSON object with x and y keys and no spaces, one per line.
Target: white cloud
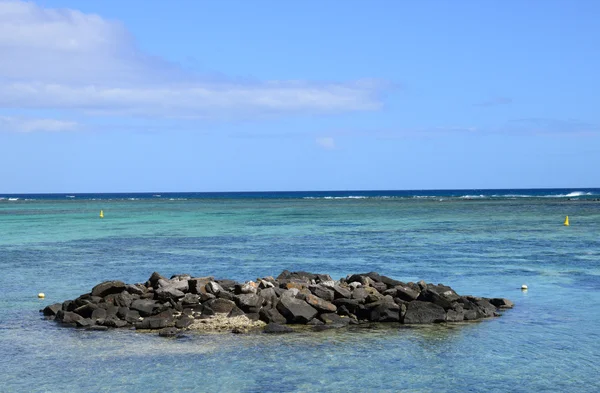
{"x":326,"y":142}
{"x":65,"y":59}
{"x":19,"y":124}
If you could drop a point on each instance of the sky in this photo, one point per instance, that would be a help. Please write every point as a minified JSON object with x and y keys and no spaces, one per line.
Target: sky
{"x":190,"y":95}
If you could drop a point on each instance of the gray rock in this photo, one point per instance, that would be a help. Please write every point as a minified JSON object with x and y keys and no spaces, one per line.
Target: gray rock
{"x":419,"y":312}
{"x":334,"y":319}
{"x":295,"y":310}
{"x":268,"y":295}
{"x":341,"y":292}
{"x":146,"y":307}
{"x":154,"y":278}
{"x":99,"y":313}
{"x":406,"y":293}
{"x":183,"y":322}
{"x":274,"y":328}
{"x":501,"y":303}
{"x":52,"y":309}
{"x":322,"y":292}
{"x":168,"y":332}
{"x":68,"y":317}
{"x":320,"y":304}
{"x":134,"y":289}
{"x":168,"y":292}
{"x":235,"y":312}
{"x":455,"y":315}
{"x":108,"y":288}
{"x":132,"y":316}
{"x":350,"y":304}
{"x":249,"y":302}
{"x":213,"y":287}
{"x":190,"y":299}
{"x":269,"y":315}
{"x":221,"y":306}
{"x":153,"y":323}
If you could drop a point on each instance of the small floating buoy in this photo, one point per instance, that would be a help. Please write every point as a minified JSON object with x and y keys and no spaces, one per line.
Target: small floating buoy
{"x":101,"y":213}
{"x":41,"y":295}
{"x":567,"y":221}
{"x":523,"y":287}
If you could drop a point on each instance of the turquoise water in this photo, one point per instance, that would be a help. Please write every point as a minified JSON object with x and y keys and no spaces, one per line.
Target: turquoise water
{"x":484,"y":243}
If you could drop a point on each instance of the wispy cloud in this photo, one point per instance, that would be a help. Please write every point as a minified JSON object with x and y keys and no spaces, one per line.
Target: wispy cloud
{"x":68,"y":60}
{"x":552,"y":126}
{"x":20,"y":124}
{"x":495,"y":101}
{"x":326,"y":142}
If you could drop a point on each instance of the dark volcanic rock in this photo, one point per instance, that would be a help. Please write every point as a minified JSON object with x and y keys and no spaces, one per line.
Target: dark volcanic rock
{"x":295,"y":310}
{"x":183,"y":322}
{"x":155,"y":322}
{"x":249,"y":302}
{"x":68,"y":317}
{"x":322,"y":291}
{"x":276,"y":328}
{"x":154,"y":278}
{"x":294,"y":297}
{"x":168,"y":292}
{"x":108,"y":288}
{"x":350,"y":304}
{"x":222,"y":306}
{"x":419,"y":312}
{"x":385,"y":312}
{"x":269,"y":315}
{"x":441,"y":295}
{"x":501,"y":303}
{"x":146,"y":307}
{"x":406,"y":293}
{"x":334,"y":319}
{"x":52,"y":309}
{"x":168,"y":332}
{"x":341,"y":292}
{"x":320,"y":304}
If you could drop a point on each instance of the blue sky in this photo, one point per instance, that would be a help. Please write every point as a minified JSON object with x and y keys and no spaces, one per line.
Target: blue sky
{"x":109,"y":96}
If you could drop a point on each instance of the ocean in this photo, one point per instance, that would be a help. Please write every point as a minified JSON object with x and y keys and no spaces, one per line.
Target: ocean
{"x":480,"y":242}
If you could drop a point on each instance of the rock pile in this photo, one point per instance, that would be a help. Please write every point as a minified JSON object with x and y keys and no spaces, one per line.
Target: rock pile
{"x":203,"y":303}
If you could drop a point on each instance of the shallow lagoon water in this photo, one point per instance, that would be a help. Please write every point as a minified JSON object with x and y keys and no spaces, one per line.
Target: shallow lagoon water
{"x":487,"y":247}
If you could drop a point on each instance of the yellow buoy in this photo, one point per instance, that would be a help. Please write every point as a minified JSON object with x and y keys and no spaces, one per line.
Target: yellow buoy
{"x":567,"y":221}
{"x":41,"y":295}
{"x":101,"y":213}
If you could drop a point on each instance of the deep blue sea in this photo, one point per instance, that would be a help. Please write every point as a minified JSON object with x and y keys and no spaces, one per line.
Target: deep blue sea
{"x":480,"y":242}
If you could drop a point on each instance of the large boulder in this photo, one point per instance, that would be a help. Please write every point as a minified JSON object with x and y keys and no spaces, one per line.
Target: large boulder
{"x":168,"y":292}
{"x":384,"y":311}
{"x":350,"y":304}
{"x":68,"y":317}
{"x":198,"y":285}
{"x":156,"y":322}
{"x":441,"y":295}
{"x":108,"y":288}
{"x":220,"y":306}
{"x":249,"y":302}
{"x":296,"y":310}
{"x":320,"y":304}
{"x":269,"y":315}
{"x":501,"y":303}
{"x":52,"y":309}
{"x":146,"y":307}
{"x":322,"y":292}
{"x":419,"y":312}
{"x":341,"y":292}
{"x":406,"y":293}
